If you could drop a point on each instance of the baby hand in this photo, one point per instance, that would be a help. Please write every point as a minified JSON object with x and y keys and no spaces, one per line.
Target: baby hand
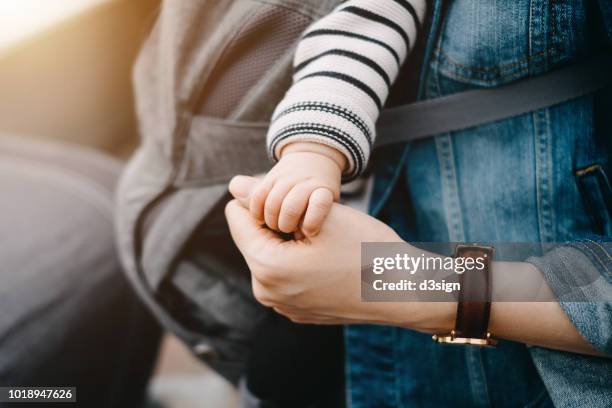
{"x":303,"y":185}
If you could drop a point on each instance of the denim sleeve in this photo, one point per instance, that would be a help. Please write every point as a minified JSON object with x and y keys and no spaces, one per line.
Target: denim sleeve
{"x":580,"y":275}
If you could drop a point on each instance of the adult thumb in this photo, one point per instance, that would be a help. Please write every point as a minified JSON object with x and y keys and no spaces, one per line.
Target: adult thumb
{"x":245,"y":229}
{"x":241,"y":188}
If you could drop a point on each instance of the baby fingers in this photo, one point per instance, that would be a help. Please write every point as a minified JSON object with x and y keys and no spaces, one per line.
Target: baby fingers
{"x":294,"y":206}
{"x":319,"y":205}
{"x":274,"y":202}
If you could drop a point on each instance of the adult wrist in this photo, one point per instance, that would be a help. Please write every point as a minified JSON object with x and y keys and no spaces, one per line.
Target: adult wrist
{"x":424,"y":316}
{"x":433,"y":317}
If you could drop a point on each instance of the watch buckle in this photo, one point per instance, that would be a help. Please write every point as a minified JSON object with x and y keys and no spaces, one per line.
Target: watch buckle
{"x":453,"y":339}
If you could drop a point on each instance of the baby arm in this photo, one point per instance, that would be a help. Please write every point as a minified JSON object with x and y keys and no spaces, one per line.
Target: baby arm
{"x":323,"y":130}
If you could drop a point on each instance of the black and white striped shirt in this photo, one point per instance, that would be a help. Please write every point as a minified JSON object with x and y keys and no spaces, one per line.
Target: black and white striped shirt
{"x":344,"y":67}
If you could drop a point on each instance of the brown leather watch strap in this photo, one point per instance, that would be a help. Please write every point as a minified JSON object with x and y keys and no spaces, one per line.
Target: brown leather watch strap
{"x":474,"y":303}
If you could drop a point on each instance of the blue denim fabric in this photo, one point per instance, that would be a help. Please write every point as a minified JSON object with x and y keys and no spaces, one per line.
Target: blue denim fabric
{"x":509,"y":181}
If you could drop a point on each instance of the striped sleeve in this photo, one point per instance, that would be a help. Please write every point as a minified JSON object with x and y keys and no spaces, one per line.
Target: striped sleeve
{"x":344,"y":67}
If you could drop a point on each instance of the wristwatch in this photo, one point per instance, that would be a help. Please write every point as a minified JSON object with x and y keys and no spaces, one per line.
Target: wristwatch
{"x":474,"y":303}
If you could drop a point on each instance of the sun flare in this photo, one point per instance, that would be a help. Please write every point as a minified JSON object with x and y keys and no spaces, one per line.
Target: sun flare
{"x":22,"y":19}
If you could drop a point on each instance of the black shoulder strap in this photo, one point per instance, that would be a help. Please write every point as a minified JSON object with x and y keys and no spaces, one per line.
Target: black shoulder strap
{"x":463,"y":110}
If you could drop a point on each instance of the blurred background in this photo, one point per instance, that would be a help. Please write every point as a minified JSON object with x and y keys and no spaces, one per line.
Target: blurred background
{"x":65,"y":69}
{"x":65,"y":74}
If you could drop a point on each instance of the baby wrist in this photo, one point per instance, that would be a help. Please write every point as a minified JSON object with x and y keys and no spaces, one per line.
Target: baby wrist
{"x":318,"y":148}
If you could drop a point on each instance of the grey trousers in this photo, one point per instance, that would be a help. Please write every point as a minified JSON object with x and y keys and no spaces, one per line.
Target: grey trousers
{"x":67,"y":315}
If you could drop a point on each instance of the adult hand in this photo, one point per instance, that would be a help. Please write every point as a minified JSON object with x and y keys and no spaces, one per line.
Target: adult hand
{"x":318,"y":279}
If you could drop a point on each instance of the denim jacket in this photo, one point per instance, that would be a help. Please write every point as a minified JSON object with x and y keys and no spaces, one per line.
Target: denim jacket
{"x":514,"y":180}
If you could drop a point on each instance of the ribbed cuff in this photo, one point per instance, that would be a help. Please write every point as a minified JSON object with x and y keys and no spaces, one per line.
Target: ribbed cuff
{"x":341,"y":126}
